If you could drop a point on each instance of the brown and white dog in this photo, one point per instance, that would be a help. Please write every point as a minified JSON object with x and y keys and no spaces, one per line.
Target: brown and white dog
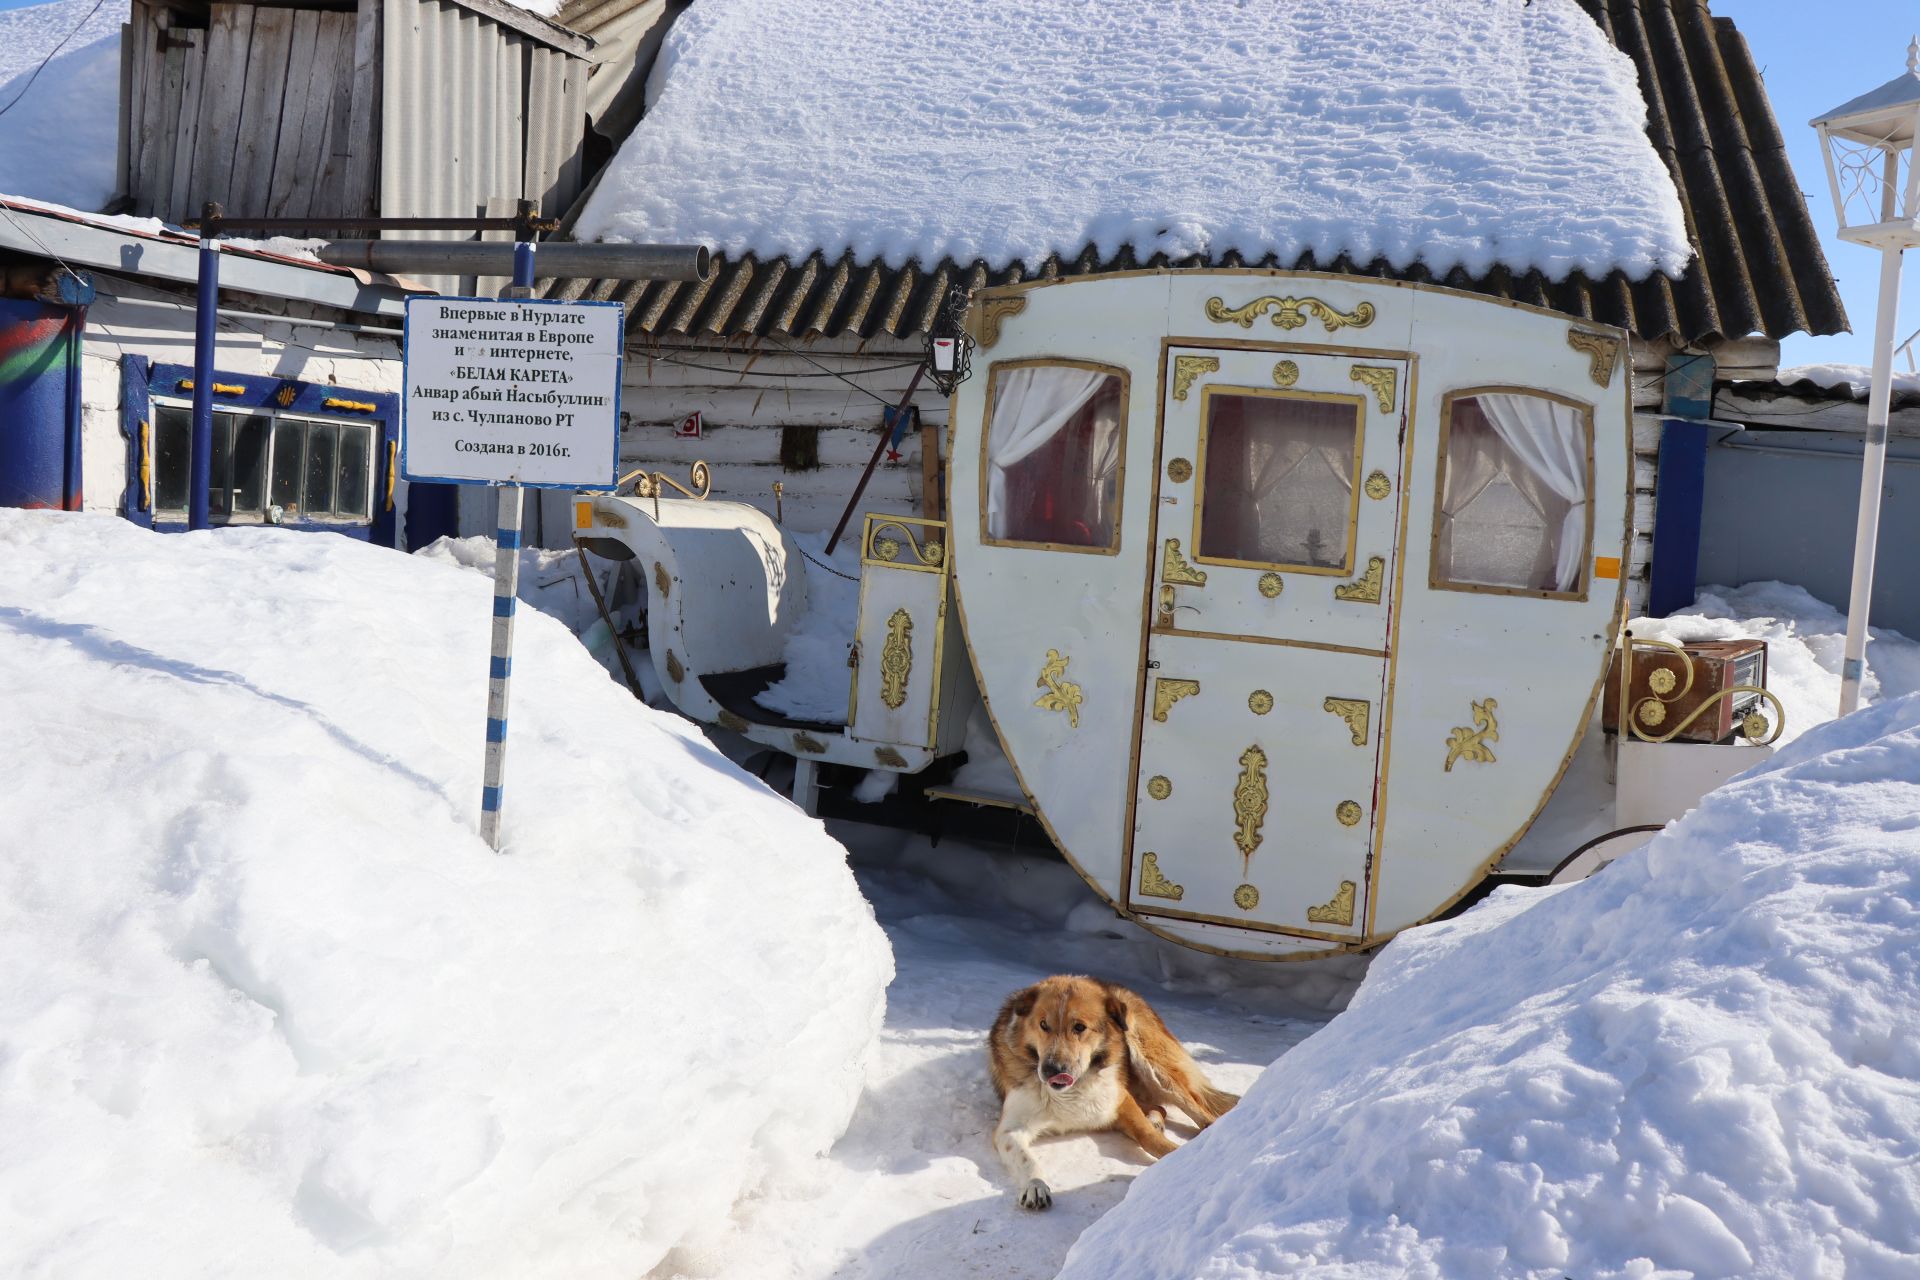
{"x":1077,"y":1055}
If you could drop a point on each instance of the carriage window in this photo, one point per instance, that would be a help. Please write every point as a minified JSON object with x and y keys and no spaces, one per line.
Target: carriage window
{"x":1054,"y":443}
{"x":1513,"y":493}
{"x":1277,"y":477}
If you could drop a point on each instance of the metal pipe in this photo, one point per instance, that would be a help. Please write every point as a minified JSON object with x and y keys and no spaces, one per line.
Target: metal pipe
{"x":565,"y":260}
{"x":200,"y":451}
{"x":72,"y":495}
{"x":1873,"y":474}
{"x":886,"y":438}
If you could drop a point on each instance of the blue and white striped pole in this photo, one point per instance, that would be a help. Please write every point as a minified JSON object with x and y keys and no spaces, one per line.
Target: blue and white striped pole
{"x":506,"y":593}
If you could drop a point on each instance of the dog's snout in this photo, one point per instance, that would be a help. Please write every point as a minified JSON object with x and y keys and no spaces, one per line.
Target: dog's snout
{"x":1053,"y":1067}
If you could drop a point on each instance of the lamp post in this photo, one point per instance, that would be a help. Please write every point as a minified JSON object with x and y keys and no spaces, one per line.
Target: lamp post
{"x":1868,"y":144}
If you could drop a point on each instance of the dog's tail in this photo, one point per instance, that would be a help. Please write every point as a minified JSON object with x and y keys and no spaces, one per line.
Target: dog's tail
{"x":1164,"y":1062}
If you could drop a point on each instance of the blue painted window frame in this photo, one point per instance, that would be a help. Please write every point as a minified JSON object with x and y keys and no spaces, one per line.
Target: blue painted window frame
{"x":143,"y":379}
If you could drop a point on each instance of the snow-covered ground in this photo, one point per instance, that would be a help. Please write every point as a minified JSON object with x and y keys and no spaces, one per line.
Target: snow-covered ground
{"x":269,"y":1006}
{"x":1459,"y":133}
{"x":59,"y":136}
{"x":1700,"y":1063}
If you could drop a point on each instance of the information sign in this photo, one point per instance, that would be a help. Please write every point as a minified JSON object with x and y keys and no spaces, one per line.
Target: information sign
{"x":512,"y":393}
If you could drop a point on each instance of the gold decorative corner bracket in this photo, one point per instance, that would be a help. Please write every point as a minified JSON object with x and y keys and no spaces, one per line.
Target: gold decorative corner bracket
{"x":994,"y":312}
{"x":896,"y":659}
{"x":1379,"y":379}
{"x":1061,"y":694}
{"x":1250,"y":801}
{"x":1166,"y":692}
{"x":1378,"y":486}
{"x":1364,"y":589}
{"x":1470,"y":744}
{"x":1154,"y":884}
{"x":1356,"y":712}
{"x":1602,"y":351}
{"x":1175,"y":569}
{"x":1285,"y":374}
{"x":1340,"y":910}
{"x":1289,"y":313}
{"x":1159,"y":786}
{"x":1187,"y":368}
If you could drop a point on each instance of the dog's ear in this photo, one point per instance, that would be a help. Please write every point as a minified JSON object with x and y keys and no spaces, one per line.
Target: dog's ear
{"x":1117,"y":1010}
{"x":1022,"y":1002}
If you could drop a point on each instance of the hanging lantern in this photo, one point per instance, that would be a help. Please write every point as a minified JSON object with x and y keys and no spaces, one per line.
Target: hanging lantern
{"x":949,"y":348}
{"x":1868,"y":145}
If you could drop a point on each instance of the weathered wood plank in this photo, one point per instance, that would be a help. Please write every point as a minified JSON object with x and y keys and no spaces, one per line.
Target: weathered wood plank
{"x":172,"y":83}
{"x":222,"y":88}
{"x":262,"y":111}
{"x":123,"y":164}
{"x":316,"y":67}
{"x":353,"y":164}
{"x":771,"y":405}
{"x":179,"y":198}
{"x":755,"y":445}
{"x":143,"y":103}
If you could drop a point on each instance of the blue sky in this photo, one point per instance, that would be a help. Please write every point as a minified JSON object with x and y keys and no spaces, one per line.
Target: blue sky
{"x":1815,"y":56}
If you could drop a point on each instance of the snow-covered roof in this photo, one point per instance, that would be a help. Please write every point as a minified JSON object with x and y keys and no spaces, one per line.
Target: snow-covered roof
{"x":58,"y":136}
{"x":1451,"y":133}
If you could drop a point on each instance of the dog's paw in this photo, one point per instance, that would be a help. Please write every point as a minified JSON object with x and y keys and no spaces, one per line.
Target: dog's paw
{"x":1036,"y":1195}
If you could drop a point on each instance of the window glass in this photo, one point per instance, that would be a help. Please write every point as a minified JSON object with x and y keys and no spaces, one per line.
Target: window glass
{"x":1277,"y":477}
{"x":289,"y":442}
{"x":249,"y":461}
{"x":322,"y":439}
{"x":1514,"y":493}
{"x":172,"y":437}
{"x":356,"y":449}
{"x":220,"y":474}
{"x":1054,"y":443}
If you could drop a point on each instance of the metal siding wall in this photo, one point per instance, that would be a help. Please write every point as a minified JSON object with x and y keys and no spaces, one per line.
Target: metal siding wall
{"x":456,"y":130}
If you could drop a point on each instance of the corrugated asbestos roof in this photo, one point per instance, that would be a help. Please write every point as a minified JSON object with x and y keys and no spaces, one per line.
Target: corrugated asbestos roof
{"x":1759,"y":267}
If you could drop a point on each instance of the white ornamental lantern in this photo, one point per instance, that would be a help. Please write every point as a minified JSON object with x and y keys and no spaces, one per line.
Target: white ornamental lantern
{"x":1876,"y":198}
{"x":1869,"y":151}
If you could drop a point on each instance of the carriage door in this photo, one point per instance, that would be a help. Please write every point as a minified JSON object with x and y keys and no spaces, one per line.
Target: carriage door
{"x":1273,"y":570}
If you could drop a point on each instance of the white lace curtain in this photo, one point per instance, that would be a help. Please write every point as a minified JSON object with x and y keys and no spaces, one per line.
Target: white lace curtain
{"x":1030,"y":407}
{"x":1279,"y":481}
{"x":1540,"y":447}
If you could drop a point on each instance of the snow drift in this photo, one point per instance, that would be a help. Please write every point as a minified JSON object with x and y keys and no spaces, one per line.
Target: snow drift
{"x":1458,"y":133}
{"x":60,"y":135}
{"x":269,"y":1005}
{"x":1700,"y":1063}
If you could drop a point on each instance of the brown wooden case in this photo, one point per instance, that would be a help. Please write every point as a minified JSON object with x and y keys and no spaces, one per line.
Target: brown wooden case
{"x":1717,"y":665}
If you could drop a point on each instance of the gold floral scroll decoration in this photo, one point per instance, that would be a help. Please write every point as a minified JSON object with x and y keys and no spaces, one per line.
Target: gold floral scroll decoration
{"x":1187,"y":368}
{"x":1153,"y":884}
{"x":661,"y":582}
{"x":1378,"y":379}
{"x":889,"y":757}
{"x":1365,"y":589}
{"x":654,"y":484}
{"x":1340,"y":910}
{"x":734,"y":721}
{"x":1061,"y":694}
{"x":1289,"y":313}
{"x":886,"y":548}
{"x":1348,"y":812}
{"x":1246,"y":897}
{"x":808,"y":743}
{"x":1250,"y":801}
{"x":675,"y":671}
{"x":1356,"y":712}
{"x":1175,"y":569}
{"x":994,"y":313}
{"x":1466,"y":743}
{"x":1668,"y":688}
{"x":1159,"y":786}
{"x":1259,"y":702}
{"x":896,"y":659}
{"x":1167,"y":692}
{"x":1285,"y":374}
{"x":1271,"y":584}
{"x":1602,"y":351}
{"x":1179,"y":471}
{"x":1378,"y":486}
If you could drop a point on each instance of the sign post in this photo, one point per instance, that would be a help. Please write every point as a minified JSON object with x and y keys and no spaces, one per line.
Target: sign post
{"x":510,"y":394}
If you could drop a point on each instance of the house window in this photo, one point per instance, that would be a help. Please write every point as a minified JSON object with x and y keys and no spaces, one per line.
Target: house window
{"x":1055,"y":435}
{"x":266,"y":466}
{"x":1277,"y":480}
{"x":1515,"y":480}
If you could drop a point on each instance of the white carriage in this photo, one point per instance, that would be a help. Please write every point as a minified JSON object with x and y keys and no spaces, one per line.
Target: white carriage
{"x":1290,"y":595}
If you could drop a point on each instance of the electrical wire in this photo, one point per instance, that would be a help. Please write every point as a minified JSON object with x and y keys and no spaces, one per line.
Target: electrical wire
{"x":51,"y":55}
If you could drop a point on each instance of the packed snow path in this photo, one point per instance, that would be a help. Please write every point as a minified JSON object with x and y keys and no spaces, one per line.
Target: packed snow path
{"x":914,"y":1188}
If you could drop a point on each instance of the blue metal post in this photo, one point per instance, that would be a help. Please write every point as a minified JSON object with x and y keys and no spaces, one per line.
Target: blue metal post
{"x":200,"y":452}
{"x":506,"y":591}
{"x":1681,"y":485}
